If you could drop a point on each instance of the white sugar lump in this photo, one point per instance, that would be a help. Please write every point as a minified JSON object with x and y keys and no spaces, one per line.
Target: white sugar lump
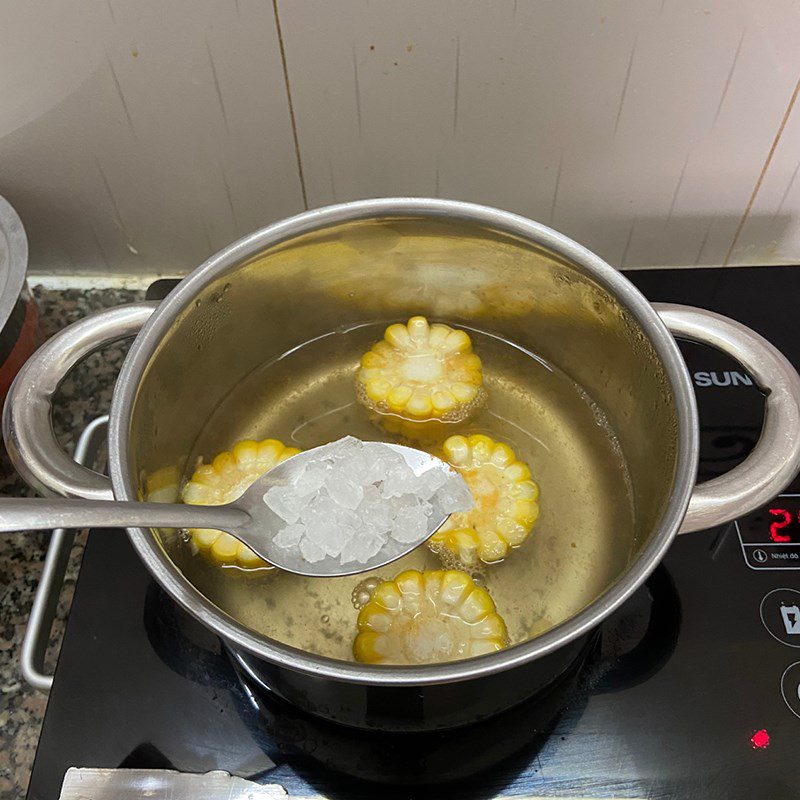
{"x":454,"y":496}
{"x":310,"y":479}
{"x":357,"y":468}
{"x":341,"y":448}
{"x":321,"y":525}
{"x":351,"y":551}
{"x":342,"y":490}
{"x":285,"y":502}
{"x":290,"y":535}
{"x":311,"y":552}
{"x":411,"y":523}
{"x":430,"y":482}
{"x":362,"y":548}
{"x":399,"y":480}
{"x":353,"y":501}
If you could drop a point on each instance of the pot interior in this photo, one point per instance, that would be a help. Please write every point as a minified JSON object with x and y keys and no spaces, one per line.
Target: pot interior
{"x":269,"y":346}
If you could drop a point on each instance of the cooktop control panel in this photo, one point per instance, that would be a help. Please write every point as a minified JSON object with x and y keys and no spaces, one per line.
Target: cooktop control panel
{"x":770,"y":536}
{"x":731,"y":411}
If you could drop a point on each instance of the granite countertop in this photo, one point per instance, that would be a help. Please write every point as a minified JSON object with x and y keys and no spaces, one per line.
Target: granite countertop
{"x":84,"y":395}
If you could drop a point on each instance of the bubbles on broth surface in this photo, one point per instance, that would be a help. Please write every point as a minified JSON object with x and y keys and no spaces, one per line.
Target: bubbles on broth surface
{"x":578,"y":546}
{"x":450,"y":560}
{"x":363,"y":591}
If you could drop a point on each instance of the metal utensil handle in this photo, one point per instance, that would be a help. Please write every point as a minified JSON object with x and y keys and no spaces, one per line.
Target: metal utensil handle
{"x":45,"y":600}
{"x":21,"y":514}
{"x":775,"y":460}
{"x":27,"y":428}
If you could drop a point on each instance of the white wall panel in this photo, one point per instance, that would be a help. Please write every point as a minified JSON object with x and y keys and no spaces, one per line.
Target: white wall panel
{"x":140,"y":136}
{"x":138,"y":168}
{"x":639,"y":128}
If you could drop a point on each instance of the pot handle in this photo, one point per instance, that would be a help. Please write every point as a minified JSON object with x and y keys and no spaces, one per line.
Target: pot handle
{"x":27,"y":425}
{"x":775,"y":460}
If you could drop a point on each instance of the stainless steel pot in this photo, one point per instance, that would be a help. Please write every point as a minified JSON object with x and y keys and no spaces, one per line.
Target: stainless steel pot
{"x":387,"y":259}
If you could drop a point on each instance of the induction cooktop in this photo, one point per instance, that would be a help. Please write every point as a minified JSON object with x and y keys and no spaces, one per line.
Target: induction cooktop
{"x":690,"y":690}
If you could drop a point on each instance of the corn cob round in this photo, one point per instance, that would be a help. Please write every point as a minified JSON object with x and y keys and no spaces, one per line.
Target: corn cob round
{"x":427,"y":618}
{"x":422,"y":372}
{"x":423,"y":435}
{"x":505,"y":498}
{"x":222,"y":481}
{"x":162,"y":486}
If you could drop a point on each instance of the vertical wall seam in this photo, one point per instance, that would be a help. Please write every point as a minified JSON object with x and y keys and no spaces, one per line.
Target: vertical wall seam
{"x":291,"y":104}
{"x":757,"y":187}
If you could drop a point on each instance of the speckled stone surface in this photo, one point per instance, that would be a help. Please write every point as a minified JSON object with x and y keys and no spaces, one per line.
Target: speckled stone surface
{"x":84,"y":395}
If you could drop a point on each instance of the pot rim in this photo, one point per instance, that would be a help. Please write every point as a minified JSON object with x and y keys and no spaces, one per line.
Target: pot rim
{"x":181,"y":590}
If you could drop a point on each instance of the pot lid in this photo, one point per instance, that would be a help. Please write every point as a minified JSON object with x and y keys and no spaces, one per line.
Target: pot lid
{"x":13,"y":259}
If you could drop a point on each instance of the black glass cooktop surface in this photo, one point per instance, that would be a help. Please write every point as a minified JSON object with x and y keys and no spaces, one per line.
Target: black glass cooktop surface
{"x":691,"y":690}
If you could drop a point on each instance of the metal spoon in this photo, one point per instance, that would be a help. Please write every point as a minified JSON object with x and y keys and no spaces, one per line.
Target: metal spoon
{"x":247,"y":518}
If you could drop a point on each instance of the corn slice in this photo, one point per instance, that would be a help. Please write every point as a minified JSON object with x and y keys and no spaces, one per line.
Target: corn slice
{"x":222,"y":481}
{"x":425,"y":435}
{"x":422,"y":372}
{"x":427,"y":618}
{"x":506,"y":502}
{"x":162,"y":486}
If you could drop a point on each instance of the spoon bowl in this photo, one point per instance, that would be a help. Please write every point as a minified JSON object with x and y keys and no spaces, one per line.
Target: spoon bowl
{"x":258,"y":532}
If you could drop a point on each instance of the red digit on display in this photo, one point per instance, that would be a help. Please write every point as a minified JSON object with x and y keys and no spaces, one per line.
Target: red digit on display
{"x":775,"y":527}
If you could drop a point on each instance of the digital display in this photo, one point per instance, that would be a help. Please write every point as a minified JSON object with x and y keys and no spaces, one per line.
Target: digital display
{"x":776,"y":523}
{"x":782,"y":528}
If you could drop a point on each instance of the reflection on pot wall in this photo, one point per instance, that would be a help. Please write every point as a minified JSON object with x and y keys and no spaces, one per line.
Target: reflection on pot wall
{"x":139,"y":137}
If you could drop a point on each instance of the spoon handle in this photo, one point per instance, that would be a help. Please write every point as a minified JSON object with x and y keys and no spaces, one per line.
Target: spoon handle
{"x":35,"y":514}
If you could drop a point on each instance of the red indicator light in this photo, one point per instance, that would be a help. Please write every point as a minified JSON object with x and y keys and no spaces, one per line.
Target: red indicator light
{"x":760,"y":740}
{"x":775,"y":527}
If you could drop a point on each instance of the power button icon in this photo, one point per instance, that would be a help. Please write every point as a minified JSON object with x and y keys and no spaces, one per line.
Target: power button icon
{"x":780,"y":613}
